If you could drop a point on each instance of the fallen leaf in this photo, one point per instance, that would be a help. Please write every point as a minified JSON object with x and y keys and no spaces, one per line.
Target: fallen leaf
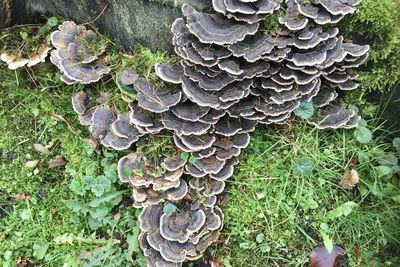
{"x":57,"y":162}
{"x":42,"y":149}
{"x":35,"y":171}
{"x":357,"y":254}
{"x":20,"y":196}
{"x":91,"y":142}
{"x":320,"y":257}
{"x":32,"y":163}
{"x":350,"y":179}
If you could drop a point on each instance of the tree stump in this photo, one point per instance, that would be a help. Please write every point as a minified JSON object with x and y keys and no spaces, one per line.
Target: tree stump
{"x":128,"y":22}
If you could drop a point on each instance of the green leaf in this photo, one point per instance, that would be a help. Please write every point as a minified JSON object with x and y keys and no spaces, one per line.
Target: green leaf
{"x":348,"y":207}
{"x":396,"y":144}
{"x":184,"y":156}
{"x":304,"y":166}
{"x":169,"y":209}
{"x":74,"y":205}
{"x":52,"y":21}
{"x":99,"y":213}
{"x":305,"y":110}
{"x":40,"y":250}
{"x":192,"y":160}
{"x":98,"y":190}
{"x":363,"y":135}
{"x":24,"y":35}
{"x":363,"y":157}
{"x":260,"y":238}
{"x":382,"y":171}
{"x":106,"y":198}
{"x":138,"y":172}
{"x":24,"y":215}
{"x":133,"y":243}
{"x":127,"y":172}
{"x":77,"y":187}
{"x":328,"y":243}
{"x":342,"y":210}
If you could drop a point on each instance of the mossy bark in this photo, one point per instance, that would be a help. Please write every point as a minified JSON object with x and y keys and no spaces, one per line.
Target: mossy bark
{"x":129,"y":22}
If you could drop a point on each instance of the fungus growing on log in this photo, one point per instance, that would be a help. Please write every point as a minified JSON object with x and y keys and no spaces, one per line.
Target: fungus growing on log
{"x":73,"y":56}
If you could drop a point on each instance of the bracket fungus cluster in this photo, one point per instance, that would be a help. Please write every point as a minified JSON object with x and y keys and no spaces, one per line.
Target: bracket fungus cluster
{"x":14,"y":61}
{"x":73,"y":56}
{"x":231,"y":78}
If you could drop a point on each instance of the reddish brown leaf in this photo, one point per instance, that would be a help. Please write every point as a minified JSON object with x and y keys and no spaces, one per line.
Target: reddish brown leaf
{"x":57,"y":163}
{"x":320,"y":257}
{"x":357,"y":254}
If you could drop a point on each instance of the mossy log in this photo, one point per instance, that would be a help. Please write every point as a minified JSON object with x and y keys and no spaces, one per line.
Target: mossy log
{"x":128,"y":22}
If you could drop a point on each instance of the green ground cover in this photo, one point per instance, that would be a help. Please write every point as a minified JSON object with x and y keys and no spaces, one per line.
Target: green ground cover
{"x":283,"y":200}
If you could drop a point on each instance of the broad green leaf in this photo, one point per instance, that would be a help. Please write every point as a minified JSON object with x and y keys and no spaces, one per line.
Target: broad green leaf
{"x":74,"y":205}
{"x":52,"y":21}
{"x":77,"y":187}
{"x":363,"y":135}
{"x":40,"y":250}
{"x":184,"y":156}
{"x":24,"y":215}
{"x":192,"y":160}
{"x":106,"y":198}
{"x":260,"y":238}
{"x":328,"y":243}
{"x":382,"y":171}
{"x":304,"y":166}
{"x":138,"y":172}
{"x":396,"y":144}
{"x":305,"y":110}
{"x":348,"y":207}
{"x":169,"y":209}
{"x":363,"y":157}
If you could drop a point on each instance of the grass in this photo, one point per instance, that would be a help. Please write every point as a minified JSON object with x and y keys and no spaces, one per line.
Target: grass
{"x":283,"y":200}
{"x":280,"y":215}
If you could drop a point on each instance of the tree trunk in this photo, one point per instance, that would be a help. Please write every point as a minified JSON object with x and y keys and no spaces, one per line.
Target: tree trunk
{"x":128,"y":22}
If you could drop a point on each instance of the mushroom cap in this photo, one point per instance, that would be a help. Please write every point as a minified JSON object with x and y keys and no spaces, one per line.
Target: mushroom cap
{"x":169,"y":73}
{"x":156,"y":100}
{"x":332,"y":117}
{"x":101,"y":121}
{"x":216,"y":29}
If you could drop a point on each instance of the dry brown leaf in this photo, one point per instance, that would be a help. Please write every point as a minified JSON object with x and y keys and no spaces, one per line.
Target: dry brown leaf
{"x":42,"y":149}
{"x":57,"y":162}
{"x":320,"y":257}
{"x":20,"y":196}
{"x":350,"y":179}
{"x":91,"y":142}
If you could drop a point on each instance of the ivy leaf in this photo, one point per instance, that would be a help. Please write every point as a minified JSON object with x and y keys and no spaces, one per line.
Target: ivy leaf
{"x":305,"y":110}
{"x":169,"y":209}
{"x":363,"y":135}
{"x":304,"y":166}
